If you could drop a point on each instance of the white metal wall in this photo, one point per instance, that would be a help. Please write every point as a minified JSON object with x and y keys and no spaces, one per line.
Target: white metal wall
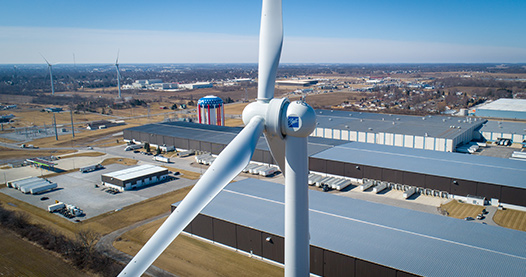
{"x":401,"y":140}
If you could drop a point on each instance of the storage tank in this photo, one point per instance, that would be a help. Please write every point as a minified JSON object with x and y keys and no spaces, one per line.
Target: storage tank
{"x":210,"y":111}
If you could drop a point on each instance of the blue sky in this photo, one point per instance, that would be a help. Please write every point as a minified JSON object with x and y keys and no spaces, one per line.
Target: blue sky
{"x":329,"y":31}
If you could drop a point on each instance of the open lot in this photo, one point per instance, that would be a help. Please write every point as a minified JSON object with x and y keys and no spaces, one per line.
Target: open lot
{"x":79,"y":189}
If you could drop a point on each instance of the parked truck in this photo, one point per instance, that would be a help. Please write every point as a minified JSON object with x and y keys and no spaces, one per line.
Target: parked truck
{"x":55,"y":207}
{"x":160,"y":158}
{"x":132,"y":147}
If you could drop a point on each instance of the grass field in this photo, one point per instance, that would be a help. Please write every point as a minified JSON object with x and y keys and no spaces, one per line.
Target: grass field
{"x":188,"y":256}
{"x":35,"y":260}
{"x":461,"y":210}
{"x":512,"y":219}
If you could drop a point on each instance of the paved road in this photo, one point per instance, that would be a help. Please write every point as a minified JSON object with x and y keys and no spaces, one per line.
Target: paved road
{"x":105,"y":246}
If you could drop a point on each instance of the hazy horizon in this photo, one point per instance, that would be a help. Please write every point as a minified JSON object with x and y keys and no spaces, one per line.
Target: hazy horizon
{"x":227,"y":32}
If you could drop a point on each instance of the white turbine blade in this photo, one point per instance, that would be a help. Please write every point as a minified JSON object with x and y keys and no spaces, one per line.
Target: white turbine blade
{"x":226,"y":167}
{"x":277,"y":150}
{"x":117,"y":60}
{"x":270,"y":41}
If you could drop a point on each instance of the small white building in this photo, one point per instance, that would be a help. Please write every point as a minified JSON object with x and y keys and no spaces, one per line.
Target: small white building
{"x":135,"y":177}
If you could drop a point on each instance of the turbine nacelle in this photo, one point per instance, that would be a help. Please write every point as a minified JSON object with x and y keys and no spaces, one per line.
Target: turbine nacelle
{"x":282,"y":117}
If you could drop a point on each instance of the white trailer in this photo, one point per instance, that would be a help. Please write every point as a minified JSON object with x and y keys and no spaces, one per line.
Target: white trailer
{"x":249,"y":167}
{"x":367,"y":185}
{"x":55,"y":207}
{"x":166,"y":148}
{"x":256,"y":170}
{"x":268,"y":171}
{"x":343,"y":184}
{"x":132,"y":147}
{"x":324,"y":180}
{"x":313,"y":178}
{"x":380,"y":187}
{"x":409,"y":192}
{"x":160,"y":158}
{"x":43,"y":188}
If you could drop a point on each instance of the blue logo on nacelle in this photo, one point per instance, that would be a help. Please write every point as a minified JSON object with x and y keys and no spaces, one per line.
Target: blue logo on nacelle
{"x":293,"y":121}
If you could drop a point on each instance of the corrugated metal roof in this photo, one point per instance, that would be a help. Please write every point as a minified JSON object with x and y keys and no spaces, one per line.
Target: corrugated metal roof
{"x":220,"y":134}
{"x":504,"y":127}
{"x":433,"y":126}
{"x":504,"y":104}
{"x":135,"y":172}
{"x":416,"y":242}
{"x":454,"y":165}
{"x":468,"y":167}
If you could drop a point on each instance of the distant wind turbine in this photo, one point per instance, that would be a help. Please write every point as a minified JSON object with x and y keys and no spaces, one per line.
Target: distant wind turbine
{"x":50,"y":67}
{"x":118,"y":74}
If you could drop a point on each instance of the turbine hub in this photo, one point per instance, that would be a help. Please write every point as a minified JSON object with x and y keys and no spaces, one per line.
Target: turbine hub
{"x":301,"y":119}
{"x":282,"y":117}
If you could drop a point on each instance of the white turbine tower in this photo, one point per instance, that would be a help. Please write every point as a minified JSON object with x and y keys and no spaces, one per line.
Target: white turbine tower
{"x":286,"y":126}
{"x":50,"y":67}
{"x":118,"y":74}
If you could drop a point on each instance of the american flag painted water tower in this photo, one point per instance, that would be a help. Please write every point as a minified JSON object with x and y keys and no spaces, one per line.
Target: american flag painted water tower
{"x":210,"y":110}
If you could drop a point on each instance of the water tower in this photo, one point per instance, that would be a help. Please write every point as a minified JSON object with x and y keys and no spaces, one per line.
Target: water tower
{"x":210,"y":110}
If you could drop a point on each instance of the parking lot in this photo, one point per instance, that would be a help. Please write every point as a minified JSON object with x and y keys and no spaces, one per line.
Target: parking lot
{"x":80,"y":189}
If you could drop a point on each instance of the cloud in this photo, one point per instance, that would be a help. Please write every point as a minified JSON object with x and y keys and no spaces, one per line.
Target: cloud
{"x":23,"y":45}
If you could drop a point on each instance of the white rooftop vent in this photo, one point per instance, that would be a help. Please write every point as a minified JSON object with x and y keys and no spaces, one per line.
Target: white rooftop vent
{"x":330,"y":119}
{"x":370,"y":129}
{"x":347,"y":126}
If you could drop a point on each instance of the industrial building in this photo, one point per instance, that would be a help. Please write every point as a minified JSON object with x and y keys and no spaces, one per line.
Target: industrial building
{"x":350,"y":237}
{"x":495,"y":130}
{"x":431,"y":171}
{"x":134,"y":177}
{"x":210,"y":110}
{"x":196,"y":85}
{"x":503,"y":108}
{"x":439,"y":133}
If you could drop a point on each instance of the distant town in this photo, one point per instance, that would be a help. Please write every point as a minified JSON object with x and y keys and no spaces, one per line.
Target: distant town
{"x":93,"y":157}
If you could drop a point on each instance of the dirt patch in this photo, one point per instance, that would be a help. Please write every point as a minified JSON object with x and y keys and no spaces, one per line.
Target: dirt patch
{"x":512,"y":219}
{"x":188,"y":256}
{"x":124,"y":161}
{"x":186,"y":174}
{"x":461,"y":210}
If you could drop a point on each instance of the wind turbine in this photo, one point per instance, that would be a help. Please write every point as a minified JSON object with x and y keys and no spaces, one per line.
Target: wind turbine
{"x":118,"y":74}
{"x":50,"y":67}
{"x":286,"y":126}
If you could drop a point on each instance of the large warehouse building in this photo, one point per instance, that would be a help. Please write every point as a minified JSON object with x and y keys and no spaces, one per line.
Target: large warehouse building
{"x":134,"y":177}
{"x":439,"y":133}
{"x":350,"y":237}
{"x":453,"y":173}
{"x":503,"y":108}
{"x":494,"y":130}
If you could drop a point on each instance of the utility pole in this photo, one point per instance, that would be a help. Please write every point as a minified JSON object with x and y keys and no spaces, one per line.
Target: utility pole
{"x":55,"y":123}
{"x":72,"y":127}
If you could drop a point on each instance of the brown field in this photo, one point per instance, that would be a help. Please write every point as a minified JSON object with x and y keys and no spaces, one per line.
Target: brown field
{"x":81,"y":139}
{"x":185,"y":173}
{"x":83,"y":154}
{"x":461,"y":210}
{"x":187,"y":256}
{"x":124,"y":161}
{"x":34,"y":117}
{"x":22,"y":258}
{"x":8,"y":153}
{"x":512,"y":219}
